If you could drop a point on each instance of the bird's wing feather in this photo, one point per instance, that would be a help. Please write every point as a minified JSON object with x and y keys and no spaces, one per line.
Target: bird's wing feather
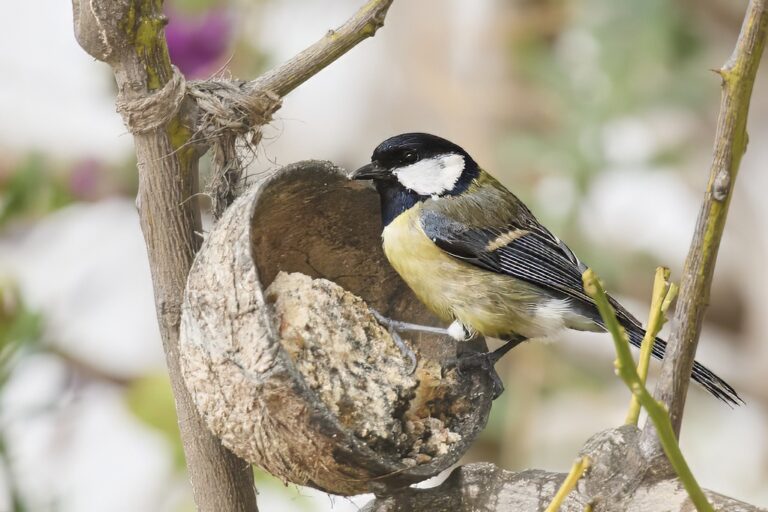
{"x":528,"y":251}
{"x":525,"y":251}
{"x":522,"y":248}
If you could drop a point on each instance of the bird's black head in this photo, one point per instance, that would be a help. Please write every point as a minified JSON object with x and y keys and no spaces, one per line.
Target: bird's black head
{"x":414,"y":167}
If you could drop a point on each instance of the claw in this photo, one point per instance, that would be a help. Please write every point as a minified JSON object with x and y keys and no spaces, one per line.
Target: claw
{"x":483,"y":361}
{"x":486,"y":362}
{"x":394,"y":326}
{"x":405,"y":350}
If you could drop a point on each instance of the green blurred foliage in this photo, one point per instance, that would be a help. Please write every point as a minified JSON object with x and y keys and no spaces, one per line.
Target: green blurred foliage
{"x":36,"y":186}
{"x":31,"y":190}
{"x":603,"y":59}
{"x":586,"y":63}
{"x":150,"y":398}
{"x":20,"y":330}
{"x":19,"y":327}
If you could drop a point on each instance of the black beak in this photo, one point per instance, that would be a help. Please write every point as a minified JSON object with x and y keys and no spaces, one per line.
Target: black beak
{"x":370,"y":171}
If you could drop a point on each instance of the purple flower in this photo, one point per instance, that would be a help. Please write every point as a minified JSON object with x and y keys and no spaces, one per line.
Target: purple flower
{"x":197,"y":42}
{"x":85,"y":178}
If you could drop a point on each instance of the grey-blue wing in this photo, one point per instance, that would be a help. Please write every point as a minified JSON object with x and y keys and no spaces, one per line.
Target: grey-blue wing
{"x":529,"y":252}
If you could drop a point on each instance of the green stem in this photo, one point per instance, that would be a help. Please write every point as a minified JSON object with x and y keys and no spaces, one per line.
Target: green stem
{"x":738,"y":77}
{"x":657,"y":412}
{"x":663,"y":294}
{"x":574,"y":475}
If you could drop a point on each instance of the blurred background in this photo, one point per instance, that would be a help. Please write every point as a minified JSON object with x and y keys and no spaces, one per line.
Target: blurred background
{"x":600,"y":114}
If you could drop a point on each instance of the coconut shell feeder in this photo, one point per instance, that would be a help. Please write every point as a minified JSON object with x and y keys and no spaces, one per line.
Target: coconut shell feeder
{"x":285,"y":361}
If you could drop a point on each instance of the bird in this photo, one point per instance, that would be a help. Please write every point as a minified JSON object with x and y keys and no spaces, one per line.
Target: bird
{"x":478,"y":258}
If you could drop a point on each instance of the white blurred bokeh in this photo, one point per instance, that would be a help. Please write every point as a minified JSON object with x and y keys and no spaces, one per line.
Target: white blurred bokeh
{"x":73,"y":439}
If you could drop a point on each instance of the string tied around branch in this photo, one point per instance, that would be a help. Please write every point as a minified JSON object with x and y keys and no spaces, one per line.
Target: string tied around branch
{"x":230,"y":114}
{"x":147,"y":113}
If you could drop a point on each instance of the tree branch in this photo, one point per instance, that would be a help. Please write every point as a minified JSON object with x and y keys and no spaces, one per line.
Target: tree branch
{"x":129,"y":36}
{"x":164,"y":117}
{"x":254,"y":102}
{"x":608,"y":486}
{"x":738,"y":76}
{"x":289,"y":75}
{"x":625,"y":368}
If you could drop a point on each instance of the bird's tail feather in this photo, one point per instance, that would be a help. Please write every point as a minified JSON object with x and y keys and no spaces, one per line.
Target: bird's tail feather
{"x":700,"y":373}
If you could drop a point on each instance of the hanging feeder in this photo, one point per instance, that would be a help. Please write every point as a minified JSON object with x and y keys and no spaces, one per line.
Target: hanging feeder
{"x":288,"y":366}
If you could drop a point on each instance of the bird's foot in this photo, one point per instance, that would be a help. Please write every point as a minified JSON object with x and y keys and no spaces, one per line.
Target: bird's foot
{"x":474,"y":361}
{"x":486,"y":362}
{"x":396,"y":326}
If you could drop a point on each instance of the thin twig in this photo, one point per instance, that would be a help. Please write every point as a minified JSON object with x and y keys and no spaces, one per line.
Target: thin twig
{"x":129,"y":36}
{"x":108,"y":30}
{"x":657,"y":412}
{"x":569,"y":484}
{"x":294,"y":72}
{"x":663,"y":294}
{"x":275,"y":84}
{"x":738,"y":76}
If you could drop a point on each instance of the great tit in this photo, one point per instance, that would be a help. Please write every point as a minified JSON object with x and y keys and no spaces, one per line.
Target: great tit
{"x":476,"y":256}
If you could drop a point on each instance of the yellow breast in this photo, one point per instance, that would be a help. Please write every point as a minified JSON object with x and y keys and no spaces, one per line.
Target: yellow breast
{"x":487,"y":302}
{"x":423,"y":266}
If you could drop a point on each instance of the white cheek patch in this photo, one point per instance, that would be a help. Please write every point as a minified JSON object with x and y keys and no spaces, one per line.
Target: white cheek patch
{"x":432,"y":176}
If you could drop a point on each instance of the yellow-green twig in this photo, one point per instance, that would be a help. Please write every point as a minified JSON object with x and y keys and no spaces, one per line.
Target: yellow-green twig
{"x":738,"y":78}
{"x":657,"y":412}
{"x":574,"y":475}
{"x":663,"y":294}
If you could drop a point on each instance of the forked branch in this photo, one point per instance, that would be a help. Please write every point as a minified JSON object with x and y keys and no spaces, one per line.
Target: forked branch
{"x":738,"y":76}
{"x":294,"y":72}
{"x":164,"y":118}
{"x":657,"y":413}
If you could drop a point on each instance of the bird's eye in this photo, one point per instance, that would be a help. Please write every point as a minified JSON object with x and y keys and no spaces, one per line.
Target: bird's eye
{"x":410,"y":157}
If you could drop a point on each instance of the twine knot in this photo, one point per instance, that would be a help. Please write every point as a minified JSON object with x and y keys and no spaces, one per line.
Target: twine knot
{"x":147,"y":113}
{"x":228,"y":111}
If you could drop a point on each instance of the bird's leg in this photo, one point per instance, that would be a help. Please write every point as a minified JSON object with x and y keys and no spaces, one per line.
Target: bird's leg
{"x":396,"y":326}
{"x":487,"y":361}
{"x":508,"y":345}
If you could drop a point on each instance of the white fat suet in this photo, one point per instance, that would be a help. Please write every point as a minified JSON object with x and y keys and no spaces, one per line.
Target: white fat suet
{"x":431,"y":176}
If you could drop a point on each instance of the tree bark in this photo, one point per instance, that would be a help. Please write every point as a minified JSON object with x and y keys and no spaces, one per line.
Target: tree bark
{"x":128,"y":35}
{"x":738,"y":76}
{"x":618,"y":480}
